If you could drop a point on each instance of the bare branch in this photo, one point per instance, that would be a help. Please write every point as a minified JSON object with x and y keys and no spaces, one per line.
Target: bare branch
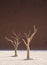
{"x":15,"y":42}
{"x":19,"y":37}
{"x":19,"y":34}
{"x":15,"y":34}
{"x":10,"y":41}
{"x":24,"y":42}
{"x":19,"y":43}
{"x":26,"y":35}
{"x":29,"y":34}
{"x":35,"y":31}
{"x":14,"y":37}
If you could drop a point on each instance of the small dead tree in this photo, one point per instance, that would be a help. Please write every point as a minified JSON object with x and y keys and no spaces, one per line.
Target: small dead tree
{"x":29,"y":39}
{"x":14,"y":42}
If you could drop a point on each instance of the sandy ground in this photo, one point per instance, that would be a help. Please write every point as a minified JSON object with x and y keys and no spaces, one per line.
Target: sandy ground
{"x":37,"y":58}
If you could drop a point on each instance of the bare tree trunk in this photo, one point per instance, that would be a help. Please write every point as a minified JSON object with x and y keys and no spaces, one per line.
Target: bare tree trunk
{"x":28,"y":53}
{"x":15,"y":51}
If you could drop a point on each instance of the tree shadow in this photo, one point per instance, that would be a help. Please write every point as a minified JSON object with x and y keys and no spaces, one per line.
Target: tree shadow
{"x":14,"y":56}
{"x":29,"y":59}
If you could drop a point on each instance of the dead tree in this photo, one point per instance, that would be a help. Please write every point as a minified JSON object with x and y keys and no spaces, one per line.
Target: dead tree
{"x":29,"y":39}
{"x":14,"y":42}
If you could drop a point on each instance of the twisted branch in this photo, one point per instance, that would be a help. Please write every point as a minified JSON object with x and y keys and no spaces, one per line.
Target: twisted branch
{"x":10,"y":41}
